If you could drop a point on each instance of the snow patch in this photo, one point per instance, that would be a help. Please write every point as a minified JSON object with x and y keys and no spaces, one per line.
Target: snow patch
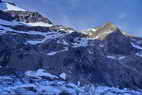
{"x":51,"y":53}
{"x":80,"y":42}
{"x":116,"y":57}
{"x":136,"y":46}
{"x":93,"y":29}
{"x":54,"y":35}
{"x":139,"y":54}
{"x":10,"y":85}
{"x":121,"y":57}
{"x":104,"y":90}
{"x":40,"y":73}
{"x":111,"y":57}
{"x":47,"y":35}
{"x":55,"y":52}
{"x":39,"y":24}
{"x":89,"y":31}
{"x":90,"y":51}
{"x":70,"y":31}
{"x":10,"y":7}
{"x":62,"y":42}
{"x":63,"y":76}
{"x":101,"y":45}
{"x":32,"y":42}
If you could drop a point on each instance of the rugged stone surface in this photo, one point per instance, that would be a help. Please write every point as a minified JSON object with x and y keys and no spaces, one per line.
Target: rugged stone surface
{"x":118,"y":43}
{"x":26,"y":16}
{"x":106,"y":57}
{"x":6,"y":16}
{"x":41,"y":82}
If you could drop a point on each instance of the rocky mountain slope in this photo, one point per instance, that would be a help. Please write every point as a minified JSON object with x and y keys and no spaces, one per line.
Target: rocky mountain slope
{"x":38,"y":57}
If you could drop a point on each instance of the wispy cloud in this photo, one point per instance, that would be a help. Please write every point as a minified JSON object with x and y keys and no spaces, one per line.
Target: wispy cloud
{"x":122,"y":15}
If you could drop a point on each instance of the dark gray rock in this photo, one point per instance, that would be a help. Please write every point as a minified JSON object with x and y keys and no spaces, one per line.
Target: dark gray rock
{"x":111,"y":61}
{"x":26,"y":16}
{"x":5,"y":16}
{"x":118,"y":43}
{"x":28,"y":28}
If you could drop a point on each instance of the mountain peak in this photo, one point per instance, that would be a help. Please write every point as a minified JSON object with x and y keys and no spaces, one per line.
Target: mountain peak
{"x":9,"y":6}
{"x":10,"y":12}
{"x":107,"y":28}
{"x":103,"y":31}
{"x":110,"y":26}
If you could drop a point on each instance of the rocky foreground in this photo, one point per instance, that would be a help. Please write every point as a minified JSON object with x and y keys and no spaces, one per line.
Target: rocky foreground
{"x":38,"y":57}
{"x":41,"y":82}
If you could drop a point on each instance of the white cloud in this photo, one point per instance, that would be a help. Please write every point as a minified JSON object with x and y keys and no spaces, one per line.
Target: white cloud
{"x":122,"y":16}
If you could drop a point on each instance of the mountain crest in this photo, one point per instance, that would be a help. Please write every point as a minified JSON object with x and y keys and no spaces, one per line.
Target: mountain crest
{"x":103,"y":31}
{"x":109,"y":27}
{"x":9,"y":6}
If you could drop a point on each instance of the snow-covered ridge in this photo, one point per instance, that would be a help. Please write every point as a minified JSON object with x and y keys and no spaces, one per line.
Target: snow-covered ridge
{"x":20,"y":15}
{"x":101,"y":32}
{"x":136,"y":46}
{"x":89,"y":31}
{"x":14,"y":23}
{"x":47,"y":35}
{"x":39,"y":24}
{"x":8,"y":7}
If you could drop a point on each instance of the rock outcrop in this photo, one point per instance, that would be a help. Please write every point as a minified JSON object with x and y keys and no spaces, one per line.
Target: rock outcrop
{"x":28,"y":17}
{"x":106,"y":56}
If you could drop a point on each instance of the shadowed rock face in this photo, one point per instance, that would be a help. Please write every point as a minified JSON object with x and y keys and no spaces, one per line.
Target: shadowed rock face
{"x":25,"y":16}
{"x":119,"y":44}
{"x":113,"y":59}
{"x":28,"y":28}
{"x":6,"y":16}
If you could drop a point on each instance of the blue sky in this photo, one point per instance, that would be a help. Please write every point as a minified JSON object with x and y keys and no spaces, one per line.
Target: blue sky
{"x":84,"y":14}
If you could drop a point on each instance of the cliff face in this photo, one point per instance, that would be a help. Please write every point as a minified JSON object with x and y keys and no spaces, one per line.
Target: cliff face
{"x":102,"y":56}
